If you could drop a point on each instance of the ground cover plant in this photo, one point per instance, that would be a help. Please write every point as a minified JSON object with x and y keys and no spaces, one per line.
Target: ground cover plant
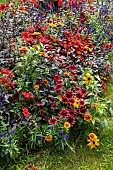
{"x":54,"y":68}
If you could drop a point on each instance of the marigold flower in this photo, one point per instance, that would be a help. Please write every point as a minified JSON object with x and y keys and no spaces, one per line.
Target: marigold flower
{"x":36,"y":86}
{"x":87,"y":117}
{"x":43,"y":53}
{"x":66,"y":74}
{"x":48,"y":138}
{"x":45,"y":82}
{"x":67,"y":125}
{"x":23,"y":49}
{"x":92,"y":136}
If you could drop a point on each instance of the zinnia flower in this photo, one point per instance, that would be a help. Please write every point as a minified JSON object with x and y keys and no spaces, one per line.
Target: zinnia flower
{"x":67,"y":125}
{"x":87,"y":117}
{"x":48,"y":138}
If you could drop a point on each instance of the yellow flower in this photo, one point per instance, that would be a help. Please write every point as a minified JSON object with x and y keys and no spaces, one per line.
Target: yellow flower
{"x":93,"y":143}
{"x":110,"y":17}
{"x":23,"y":49}
{"x":67,"y":125}
{"x":94,"y":105}
{"x":87,"y":78}
{"x":88,"y":49}
{"x":52,"y":25}
{"x":36,"y":86}
{"x":87,"y":117}
{"x":66,"y":74}
{"x":36,"y":33}
{"x":48,"y":138}
{"x":60,"y":23}
{"x":76,"y":103}
{"x":111,"y":32}
{"x":34,"y":46}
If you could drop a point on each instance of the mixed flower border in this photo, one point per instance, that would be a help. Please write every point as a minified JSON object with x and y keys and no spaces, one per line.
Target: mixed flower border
{"x":55,"y":67}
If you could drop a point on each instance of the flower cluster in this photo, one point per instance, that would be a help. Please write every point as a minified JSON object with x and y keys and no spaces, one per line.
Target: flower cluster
{"x":54,"y":68}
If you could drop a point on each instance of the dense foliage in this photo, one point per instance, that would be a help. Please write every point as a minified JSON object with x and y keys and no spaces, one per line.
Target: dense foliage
{"x":54,"y":65}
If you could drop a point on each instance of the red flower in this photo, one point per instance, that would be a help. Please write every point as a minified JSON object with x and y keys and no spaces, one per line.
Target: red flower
{"x":5,"y":80}
{"x":25,"y":35}
{"x":56,"y":77}
{"x":7,"y":72}
{"x":53,"y":106}
{"x":59,"y":3}
{"x":64,"y":98}
{"x":60,"y":82}
{"x":53,"y":121}
{"x":52,"y":100}
{"x":64,"y":113}
{"x":26,"y":95}
{"x":71,"y":120}
{"x":2,"y":7}
{"x":108,"y":67}
{"x":83,"y":110}
{"x":50,"y":6}
{"x":39,"y":104}
{"x":72,"y":67}
{"x":33,"y":168}
{"x":25,"y":112}
{"x":69,"y":94}
{"x":35,"y":3}
{"x":72,"y":112}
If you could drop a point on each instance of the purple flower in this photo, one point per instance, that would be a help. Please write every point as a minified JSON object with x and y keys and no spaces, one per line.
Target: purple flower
{"x":52,"y":128}
{"x":40,"y":137}
{"x":4,"y":134}
{"x":61,"y":132}
{"x":10,"y":140}
{"x":13,"y":132}
{"x":66,"y":137}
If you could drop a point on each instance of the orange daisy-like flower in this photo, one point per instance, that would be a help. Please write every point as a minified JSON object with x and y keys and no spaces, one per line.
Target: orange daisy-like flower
{"x":43,"y":53}
{"x":36,"y":86}
{"x":48,"y":138}
{"x":66,"y":74}
{"x":45,"y":82}
{"x":23,"y":49}
{"x":92,"y":136}
{"x":67,"y":125}
{"x":87,"y":117}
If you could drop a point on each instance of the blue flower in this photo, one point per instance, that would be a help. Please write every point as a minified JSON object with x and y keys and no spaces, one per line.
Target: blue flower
{"x":66,"y":137}
{"x":4,"y":134}
{"x":41,"y":137}
{"x":10,"y":140}
{"x":61,"y":132}
{"x":52,"y":128}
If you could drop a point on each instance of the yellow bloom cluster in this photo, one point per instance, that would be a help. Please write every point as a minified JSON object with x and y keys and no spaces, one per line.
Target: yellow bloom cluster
{"x":93,"y":140}
{"x":87,"y":78}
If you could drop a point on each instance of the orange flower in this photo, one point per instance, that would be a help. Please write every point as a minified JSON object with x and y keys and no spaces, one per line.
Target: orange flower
{"x":87,"y":117}
{"x":36,"y":86}
{"x":43,"y":53}
{"x":66,"y":74}
{"x":23,"y":49}
{"x":45,"y":82}
{"x":67,"y":125}
{"x":92,"y":136}
{"x":51,"y":58}
{"x":48,"y":138}
{"x":94,"y":105}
